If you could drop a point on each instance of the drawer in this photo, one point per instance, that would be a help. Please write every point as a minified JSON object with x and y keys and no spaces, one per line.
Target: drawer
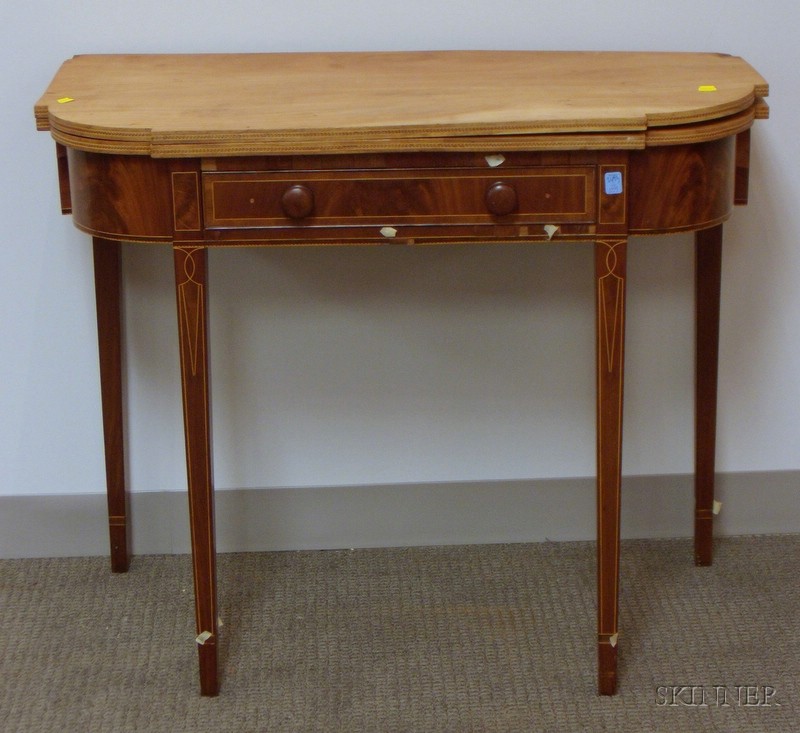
{"x":392,"y":198}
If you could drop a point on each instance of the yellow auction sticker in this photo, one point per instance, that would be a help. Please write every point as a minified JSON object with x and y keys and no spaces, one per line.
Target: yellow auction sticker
{"x":707,"y":88}
{"x":64,"y":100}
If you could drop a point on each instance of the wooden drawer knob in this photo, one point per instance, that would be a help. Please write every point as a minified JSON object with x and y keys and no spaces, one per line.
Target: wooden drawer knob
{"x":297,"y":202}
{"x":501,"y":199}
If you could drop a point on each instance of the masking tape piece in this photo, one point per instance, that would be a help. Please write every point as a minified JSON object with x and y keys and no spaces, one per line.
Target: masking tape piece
{"x":219,"y":623}
{"x":717,"y":508}
{"x":707,"y":88}
{"x":613,"y":639}
{"x":551,"y":229}
{"x":204,"y":637}
{"x":495,"y":160}
{"x":389,"y":232}
{"x":64,"y":100}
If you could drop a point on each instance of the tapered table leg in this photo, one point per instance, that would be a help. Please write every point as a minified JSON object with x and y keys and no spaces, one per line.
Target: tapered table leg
{"x":191,"y":290}
{"x":610,"y":262}
{"x":107,"y":277}
{"x":708,"y":267}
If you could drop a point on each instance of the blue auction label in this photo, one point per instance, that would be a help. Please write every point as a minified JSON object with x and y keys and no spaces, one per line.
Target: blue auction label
{"x":613,"y":183}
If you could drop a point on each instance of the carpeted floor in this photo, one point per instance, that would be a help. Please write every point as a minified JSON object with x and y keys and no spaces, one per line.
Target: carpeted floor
{"x":419,"y":640}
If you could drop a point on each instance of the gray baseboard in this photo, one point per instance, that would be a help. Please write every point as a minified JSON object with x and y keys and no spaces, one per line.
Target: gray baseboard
{"x":399,"y":515}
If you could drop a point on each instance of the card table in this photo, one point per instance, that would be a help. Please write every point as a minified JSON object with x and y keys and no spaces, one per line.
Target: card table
{"x":402,"y":149}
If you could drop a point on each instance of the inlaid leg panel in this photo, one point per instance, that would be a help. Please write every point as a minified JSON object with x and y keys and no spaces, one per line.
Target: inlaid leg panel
{"x":610,"y":263}
{"x":191,"y":291}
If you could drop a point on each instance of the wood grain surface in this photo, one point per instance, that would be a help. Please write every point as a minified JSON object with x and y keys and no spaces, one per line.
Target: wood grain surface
{"x":229,"y":104}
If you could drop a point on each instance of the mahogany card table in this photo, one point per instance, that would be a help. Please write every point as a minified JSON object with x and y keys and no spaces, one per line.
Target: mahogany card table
{"x":402,"y":149}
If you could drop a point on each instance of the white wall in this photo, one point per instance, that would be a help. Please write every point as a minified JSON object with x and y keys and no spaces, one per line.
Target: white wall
{"x":361,"y":366}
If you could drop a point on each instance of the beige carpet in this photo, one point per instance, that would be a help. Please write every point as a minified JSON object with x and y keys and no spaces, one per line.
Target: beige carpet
{"x":458,"y":639}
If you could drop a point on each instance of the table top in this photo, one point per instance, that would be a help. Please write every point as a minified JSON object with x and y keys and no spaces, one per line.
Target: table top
{"x":229,"y":104}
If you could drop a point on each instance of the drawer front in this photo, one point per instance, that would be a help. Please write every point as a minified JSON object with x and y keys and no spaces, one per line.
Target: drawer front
{"x":386,"y":198}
